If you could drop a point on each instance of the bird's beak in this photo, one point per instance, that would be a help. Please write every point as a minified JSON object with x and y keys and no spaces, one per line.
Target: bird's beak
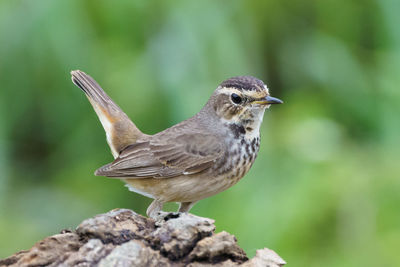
{"x":268,"y":100}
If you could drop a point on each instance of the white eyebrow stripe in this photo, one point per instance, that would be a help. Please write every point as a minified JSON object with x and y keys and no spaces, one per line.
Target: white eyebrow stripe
{"x":254,"y":94}
{"x":228,"y":90}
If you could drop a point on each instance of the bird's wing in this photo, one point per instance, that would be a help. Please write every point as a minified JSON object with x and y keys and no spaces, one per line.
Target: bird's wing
{"x":163,"y":157}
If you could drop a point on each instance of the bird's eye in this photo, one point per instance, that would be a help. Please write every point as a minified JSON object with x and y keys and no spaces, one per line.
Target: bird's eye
{"x":236,"y":99}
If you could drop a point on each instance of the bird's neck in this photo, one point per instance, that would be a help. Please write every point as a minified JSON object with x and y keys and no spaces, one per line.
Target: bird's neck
{"x":245,"y":125}
{"x":244,"y":131}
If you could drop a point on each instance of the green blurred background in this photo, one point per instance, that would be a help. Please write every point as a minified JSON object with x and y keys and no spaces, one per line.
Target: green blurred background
{"x":325,"y":188}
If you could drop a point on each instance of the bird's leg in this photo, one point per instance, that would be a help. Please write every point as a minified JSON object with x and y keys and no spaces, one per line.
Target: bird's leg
{"x":154,"y":208}
{"x":186,"y":206}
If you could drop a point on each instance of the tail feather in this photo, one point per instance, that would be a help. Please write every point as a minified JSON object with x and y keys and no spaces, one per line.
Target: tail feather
{"x":92,"y":89}
{"x":120,"y":130}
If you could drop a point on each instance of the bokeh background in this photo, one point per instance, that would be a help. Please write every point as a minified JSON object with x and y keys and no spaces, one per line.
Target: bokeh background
{"x":325,"y":188}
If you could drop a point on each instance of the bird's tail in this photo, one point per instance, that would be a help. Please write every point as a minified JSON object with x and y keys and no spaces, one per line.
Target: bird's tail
{"x":120,"y":130}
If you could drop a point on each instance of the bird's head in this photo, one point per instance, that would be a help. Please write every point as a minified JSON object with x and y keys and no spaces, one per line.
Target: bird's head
{"x":241,"y":101}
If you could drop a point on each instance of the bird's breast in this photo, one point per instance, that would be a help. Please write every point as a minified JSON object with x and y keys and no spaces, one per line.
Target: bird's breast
{"x":238,"y":158}
{"x":236,"y":161}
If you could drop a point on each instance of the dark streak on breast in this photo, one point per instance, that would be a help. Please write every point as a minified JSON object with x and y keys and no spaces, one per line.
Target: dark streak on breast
{"x":237,"y":130}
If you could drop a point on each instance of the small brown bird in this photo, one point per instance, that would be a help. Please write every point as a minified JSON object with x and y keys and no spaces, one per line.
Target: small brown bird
{"x":192,"y":160}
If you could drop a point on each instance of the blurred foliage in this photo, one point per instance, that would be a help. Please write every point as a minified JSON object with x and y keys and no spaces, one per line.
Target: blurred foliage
{"x":325,"y":188}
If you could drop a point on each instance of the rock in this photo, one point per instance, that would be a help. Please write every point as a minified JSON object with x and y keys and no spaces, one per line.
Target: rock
{"x":134,"y":253}
{"x":123,"y":238}
{"x":217,"y":248}
{"x":89,"y":254}
{"x":178,"y":233}
{"x":265,"y":257}
{"x":51,"y":250}
{"x":117,"y":226}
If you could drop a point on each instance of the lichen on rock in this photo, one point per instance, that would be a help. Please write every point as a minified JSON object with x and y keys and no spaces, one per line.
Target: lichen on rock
{"x":122,"y":237}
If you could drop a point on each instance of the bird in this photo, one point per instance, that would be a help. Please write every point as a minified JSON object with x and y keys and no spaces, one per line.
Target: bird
{"x":192,"y":160}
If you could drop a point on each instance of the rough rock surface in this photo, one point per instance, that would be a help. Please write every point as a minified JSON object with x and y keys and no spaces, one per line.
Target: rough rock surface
{"x":123,"y":238}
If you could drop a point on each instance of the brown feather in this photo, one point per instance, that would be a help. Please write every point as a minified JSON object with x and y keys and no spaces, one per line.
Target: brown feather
{"x":120,"y":130}
{"x":186,"y":154}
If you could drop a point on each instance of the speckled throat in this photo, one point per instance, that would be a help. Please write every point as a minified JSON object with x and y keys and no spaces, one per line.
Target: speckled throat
{"x":240,"y":153}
